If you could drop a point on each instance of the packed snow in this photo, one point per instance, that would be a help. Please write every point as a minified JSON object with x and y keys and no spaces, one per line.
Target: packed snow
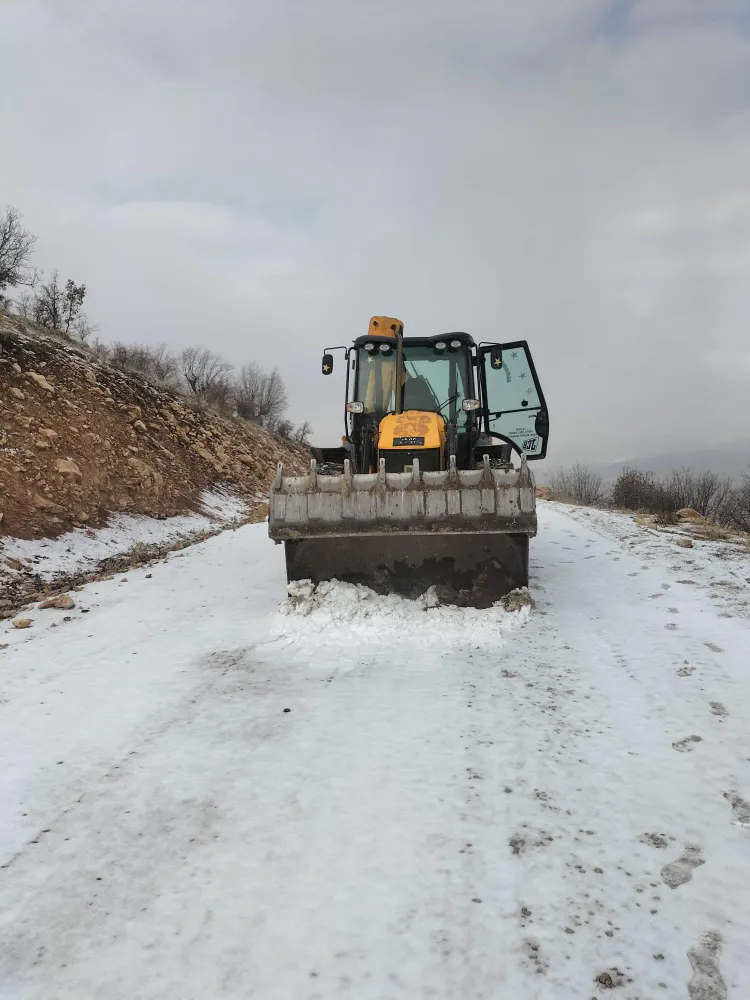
{"x":213,"y":788}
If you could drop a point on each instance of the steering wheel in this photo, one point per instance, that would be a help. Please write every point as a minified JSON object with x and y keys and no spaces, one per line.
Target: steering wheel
{"x":509,"y":441}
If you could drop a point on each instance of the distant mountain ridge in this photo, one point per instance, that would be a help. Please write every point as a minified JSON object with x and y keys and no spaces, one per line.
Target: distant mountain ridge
{"x":727,"y":459}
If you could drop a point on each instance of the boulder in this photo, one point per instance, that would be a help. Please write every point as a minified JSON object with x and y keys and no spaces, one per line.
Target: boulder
{"x":685,"y":543}
{"x":67,"y":467}
{"x":41,"y":381}
{"x":17,"y":393}
{"x":64,"y":602}
{"x":21,"y":622}
{"x":688,"y":514}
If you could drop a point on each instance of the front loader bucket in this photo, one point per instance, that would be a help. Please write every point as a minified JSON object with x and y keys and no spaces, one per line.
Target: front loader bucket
{"x":466,"y":533}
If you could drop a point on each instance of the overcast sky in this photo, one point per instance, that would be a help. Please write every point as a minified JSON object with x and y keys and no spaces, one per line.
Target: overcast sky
{"x":263,"y":177}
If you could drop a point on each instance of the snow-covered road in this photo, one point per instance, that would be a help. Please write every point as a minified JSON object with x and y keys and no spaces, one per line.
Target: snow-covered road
{"x":205,"y":797}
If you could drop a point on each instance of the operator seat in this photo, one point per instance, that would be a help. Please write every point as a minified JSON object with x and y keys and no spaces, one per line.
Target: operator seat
{"x":418,"y":394}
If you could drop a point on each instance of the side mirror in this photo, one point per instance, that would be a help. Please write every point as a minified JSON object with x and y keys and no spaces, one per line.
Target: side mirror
{"x":467,"y":405}
{"x":327,"y":366}
{"x":496,"y":356}
{"x":355,"y":407}
{"x":541,"y":424}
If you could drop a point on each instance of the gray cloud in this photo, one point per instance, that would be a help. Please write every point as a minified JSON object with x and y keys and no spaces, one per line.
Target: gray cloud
{"x":265,"y":177}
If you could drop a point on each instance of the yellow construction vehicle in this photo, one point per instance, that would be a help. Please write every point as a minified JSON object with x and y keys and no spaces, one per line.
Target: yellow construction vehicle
{"x":422,"y":491}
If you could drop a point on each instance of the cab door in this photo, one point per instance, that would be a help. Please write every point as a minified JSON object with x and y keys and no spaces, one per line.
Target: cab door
{"x":513,"y":405}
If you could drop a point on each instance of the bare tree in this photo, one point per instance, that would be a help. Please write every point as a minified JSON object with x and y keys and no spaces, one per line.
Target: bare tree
{"x":260,"y":396}
{"x":578,"y":484}
{"x":163,"y":363}
{"x":23,"y":305}
{"x":202,"y":370}
{"x":48,"y":307}
{"x":83,"y":329}
{"x":303,"y":432}
{"x":247,"y":391}
{"x":16,"y":247}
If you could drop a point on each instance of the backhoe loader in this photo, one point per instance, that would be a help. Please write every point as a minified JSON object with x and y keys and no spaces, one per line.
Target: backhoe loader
{"x":422,"y":491}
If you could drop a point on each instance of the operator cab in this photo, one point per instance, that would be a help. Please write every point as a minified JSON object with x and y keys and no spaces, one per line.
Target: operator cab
{"x":433,"y":397}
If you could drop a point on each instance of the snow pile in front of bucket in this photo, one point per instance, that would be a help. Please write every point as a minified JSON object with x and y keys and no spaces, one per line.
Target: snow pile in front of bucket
{"x":332,"y":604}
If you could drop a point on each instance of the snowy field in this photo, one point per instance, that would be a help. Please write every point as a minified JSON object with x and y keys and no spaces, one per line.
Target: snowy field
{"x":208,"y":793}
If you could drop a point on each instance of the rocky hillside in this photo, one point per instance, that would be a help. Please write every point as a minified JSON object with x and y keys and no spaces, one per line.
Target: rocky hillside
{"x":80,"y":439}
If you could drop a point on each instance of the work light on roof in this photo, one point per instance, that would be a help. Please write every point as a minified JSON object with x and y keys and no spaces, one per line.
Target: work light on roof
{"x":441,"y":345}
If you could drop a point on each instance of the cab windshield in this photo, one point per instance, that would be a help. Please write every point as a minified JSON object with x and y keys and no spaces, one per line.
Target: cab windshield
{"x":434,"y":380}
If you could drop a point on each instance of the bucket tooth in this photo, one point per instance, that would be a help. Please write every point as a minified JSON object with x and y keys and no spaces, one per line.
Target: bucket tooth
{"x":524,"y":479}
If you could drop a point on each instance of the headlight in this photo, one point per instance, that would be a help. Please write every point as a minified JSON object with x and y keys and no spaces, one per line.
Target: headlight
{"x":455,"y":343}
{"x":441,"y":346}
{"x":369,"y":347}
{"x":385,"y":348}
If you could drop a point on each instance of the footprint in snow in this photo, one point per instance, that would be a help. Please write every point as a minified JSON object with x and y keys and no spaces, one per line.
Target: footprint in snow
{"x":713,"y":647}
{"x":655,"y":839}
{"x":718,"y":709}
{"x":678,"y":872}
{"x":706,"y":982}
{"x":740,"y":809}
{"x":688,"y":744}
{"x":533,"y":954}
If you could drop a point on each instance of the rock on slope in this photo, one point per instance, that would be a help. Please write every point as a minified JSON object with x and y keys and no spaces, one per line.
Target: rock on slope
{"x":80,"y":439}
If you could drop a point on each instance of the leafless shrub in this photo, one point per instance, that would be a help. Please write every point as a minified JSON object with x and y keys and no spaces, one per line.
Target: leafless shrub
{"x":737,"y":509}
{"x":16,"y":248}
{"x":578,"y":484}
{"x":637,"y":490}
{"x":99,"y":349}
{"x":284,"y":428}
{"x":156,"y":362}
{"x":705,"y":492}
